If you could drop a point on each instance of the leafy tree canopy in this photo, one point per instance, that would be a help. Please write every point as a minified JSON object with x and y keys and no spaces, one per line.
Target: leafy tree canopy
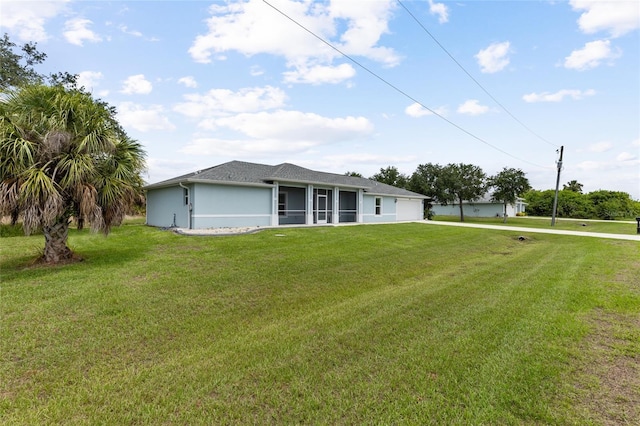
{"x":464,"y":182}
{"x":63,"y":155}
{"x":507,"y":186}
{"x":17,"y":66}
{"x":353,"y":174}
{"x":391,"y":176}
{"x":594,"y":205}
{"x":453,"y":183}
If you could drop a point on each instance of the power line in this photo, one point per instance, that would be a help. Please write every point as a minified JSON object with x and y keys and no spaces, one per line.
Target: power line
{"x":471,"y":77}
{"x":397,"y":89}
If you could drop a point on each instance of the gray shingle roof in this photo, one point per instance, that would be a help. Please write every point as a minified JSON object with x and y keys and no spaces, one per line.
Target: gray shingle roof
{"x":239,"y":172}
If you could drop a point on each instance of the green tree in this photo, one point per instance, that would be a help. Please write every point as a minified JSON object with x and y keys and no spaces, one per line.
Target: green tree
{"x":573,"y":204}
{"x":573,"y":186}
{"x":611,"y":204}
{"x":17,"y":66}
{"x":16,"y":69}
{"x":353,"y":174}
{"x":63,"y":155}
{"x":539,"y":203}
{"x":463,"y":182}
{"x":453,"y":183}
{"x":508,"y":185}
{"x":427,"y":180}
{"x":391,"y":176}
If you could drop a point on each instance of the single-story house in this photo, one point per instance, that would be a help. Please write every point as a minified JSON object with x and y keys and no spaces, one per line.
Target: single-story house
{"x":241,"y":194}
{"x":483,"y":207}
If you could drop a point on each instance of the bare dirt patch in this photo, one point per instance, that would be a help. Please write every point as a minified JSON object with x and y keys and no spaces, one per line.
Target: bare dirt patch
{"x":607,"y":384}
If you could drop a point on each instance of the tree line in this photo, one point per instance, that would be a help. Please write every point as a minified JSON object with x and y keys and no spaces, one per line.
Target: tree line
{"x":601,"y":204}
{"x":456,"y":183}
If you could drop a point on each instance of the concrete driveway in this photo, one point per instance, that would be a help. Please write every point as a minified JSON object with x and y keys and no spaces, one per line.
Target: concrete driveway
{"x":537,"y":230}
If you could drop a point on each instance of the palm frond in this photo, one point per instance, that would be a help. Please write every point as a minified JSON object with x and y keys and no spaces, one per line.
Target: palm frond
{"x":74,"y":169}
{"x":9,"y":196}
{"x":39,"y":190}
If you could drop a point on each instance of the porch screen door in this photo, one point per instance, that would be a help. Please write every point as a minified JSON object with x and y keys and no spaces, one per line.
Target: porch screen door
{"x":321,"y":202}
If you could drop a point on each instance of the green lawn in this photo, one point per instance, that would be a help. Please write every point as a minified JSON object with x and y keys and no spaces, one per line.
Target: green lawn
{"x":609,"y":227}
{"x":384,"y":324}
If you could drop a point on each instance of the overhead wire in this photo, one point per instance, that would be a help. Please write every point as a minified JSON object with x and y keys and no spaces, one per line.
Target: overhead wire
{"x":397,"y":89}
{"x":471,"y":76}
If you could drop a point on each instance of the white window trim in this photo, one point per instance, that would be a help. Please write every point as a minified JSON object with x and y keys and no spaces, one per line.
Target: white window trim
{"x":376,"y":206}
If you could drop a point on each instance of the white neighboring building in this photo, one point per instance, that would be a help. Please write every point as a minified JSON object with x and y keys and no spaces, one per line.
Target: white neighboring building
{"x":483,"y":207}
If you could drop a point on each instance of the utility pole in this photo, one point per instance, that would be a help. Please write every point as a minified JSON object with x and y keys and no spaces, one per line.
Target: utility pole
{"x":555,"y":199}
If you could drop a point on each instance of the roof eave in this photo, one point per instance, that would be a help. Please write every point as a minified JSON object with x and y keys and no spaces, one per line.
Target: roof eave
{"x":208,"y":182}
{"x":308,"y":182}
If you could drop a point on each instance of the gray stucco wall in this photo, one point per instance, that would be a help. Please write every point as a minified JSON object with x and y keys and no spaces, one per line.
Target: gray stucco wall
{"x":230,"y":206}
{"x":369,"y":210}
{"x":163,"y":204}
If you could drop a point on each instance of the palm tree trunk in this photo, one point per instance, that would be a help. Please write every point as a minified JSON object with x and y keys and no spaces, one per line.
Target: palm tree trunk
{"x":15,"y":215}
{"x":55,"y":242}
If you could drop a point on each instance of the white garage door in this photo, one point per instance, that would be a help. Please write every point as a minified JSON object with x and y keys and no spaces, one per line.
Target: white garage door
{"x":409,"y":210}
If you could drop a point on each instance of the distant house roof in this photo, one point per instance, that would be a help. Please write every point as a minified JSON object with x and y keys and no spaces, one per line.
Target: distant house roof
{"x":243,"y":173}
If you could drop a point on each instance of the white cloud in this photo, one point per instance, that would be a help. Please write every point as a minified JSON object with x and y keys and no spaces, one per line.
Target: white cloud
{"x":218,"y":102}
{"x":89,"y":79}
{"x":439,"y":9}
{"x":472,"y":107}
{"x":591,"y":55}
{"x":27,"y":19}
{"x":600,"y":147}
{"x":590,"y":165}
{"x":416,"y":110}
{"x":189,"y":82}
{"x":626,"y":156}
{"x":243,"y":148}
{"x":320,"y":74}
{"x":557,"y":96}
{"x":494,"y":58}
{"x":296,"y":125}
{"x":76,"y":31}
{"x":346,"y":161}
{"x":278,"y":132}
{"x":618,"y":17}
{"x":636,"y":142}
{"x":256,"y":71}
{"x":143,"y":119}
{"x":136,"y":84}
{"x":126,"y":30}
{"x":253,"y":27}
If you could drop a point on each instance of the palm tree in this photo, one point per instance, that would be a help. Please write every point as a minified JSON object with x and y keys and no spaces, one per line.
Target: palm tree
{"x":573,"y":186}
{"x":62,"y":156}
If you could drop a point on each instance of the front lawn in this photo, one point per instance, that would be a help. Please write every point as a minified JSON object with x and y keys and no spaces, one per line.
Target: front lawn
{"x":385,"y":324}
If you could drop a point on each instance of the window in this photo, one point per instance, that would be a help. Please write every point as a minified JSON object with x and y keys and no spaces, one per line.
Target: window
{"x":282,"y":204}
{"x":378,"y":206}
{"x":185,"y":193}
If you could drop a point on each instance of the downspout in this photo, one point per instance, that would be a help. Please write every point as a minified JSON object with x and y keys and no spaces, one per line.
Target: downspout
{"x":190,"y":204}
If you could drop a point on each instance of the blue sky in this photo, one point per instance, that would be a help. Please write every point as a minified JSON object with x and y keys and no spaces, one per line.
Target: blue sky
{"x":199,"y":83}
